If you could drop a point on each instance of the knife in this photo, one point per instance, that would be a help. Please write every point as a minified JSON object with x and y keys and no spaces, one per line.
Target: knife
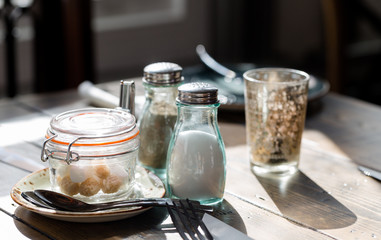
{"x":370,"y":172}
{"x":221,"y":230}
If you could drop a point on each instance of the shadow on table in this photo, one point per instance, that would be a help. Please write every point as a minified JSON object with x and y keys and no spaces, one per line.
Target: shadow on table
{"x":225,"y":212}
{"x":153,"y":224}
{"x":149,"y":223}
{"x":303,"y":201}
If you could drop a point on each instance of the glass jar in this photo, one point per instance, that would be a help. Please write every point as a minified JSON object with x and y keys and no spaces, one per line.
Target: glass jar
{"x":159,"y":114}
{"x":92,"y":153}
{"x":196,"y":155}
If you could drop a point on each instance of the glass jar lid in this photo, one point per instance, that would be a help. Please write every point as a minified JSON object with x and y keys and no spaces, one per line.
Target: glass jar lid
{"x":91,"y":131}
{"x":163,"y":74}
{"x":92,"y":122}
{"x":198,"y":93}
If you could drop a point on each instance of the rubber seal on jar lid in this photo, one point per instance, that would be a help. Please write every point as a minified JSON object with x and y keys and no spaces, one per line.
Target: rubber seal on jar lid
{"x":91,"y":127}
{"x":93,"y":122}
{"x":96,"y":126}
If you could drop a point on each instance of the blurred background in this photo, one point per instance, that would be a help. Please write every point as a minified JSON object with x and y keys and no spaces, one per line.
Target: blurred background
{"x":50,"y":45}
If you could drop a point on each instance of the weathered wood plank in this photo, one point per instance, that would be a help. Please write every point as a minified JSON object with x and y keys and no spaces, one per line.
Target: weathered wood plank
{"x":10,"y":109}
{"x":354,"y":126}
{"x":343,"y":191}
{"x":9,"y":177}
{"x":261,"y":223}
{"x":22,"y":137}
{"x":53,"y":103}
{"x":13,"y":229}
{"x":330,"y":198}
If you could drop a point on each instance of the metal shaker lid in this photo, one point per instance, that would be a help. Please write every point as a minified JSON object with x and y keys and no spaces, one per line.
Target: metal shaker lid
{"x":163,"y":74}
{"x":198,"y":93}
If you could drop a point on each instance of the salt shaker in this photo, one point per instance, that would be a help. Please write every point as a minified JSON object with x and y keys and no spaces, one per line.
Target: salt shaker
{"x":159,"y":114}
{"x":196,"y":155}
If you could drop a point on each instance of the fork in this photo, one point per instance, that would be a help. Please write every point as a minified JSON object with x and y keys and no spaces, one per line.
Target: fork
{"x":49,"y":199}
{"x":185,"y":223}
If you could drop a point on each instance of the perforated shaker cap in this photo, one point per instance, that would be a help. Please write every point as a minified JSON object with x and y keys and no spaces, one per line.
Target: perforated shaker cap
{"x":198,"y":93}
{"x":163,"y":74}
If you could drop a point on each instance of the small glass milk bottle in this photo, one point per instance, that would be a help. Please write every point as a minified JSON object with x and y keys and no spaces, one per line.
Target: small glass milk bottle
{"x":196,"y":155}
{"x":159,"y":114}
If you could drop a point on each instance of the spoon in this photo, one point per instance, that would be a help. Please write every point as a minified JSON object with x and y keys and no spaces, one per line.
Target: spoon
{"x":230,"y":75}
{"x":64,"y":202}
{"x":213,"y":64}
{"x":232,"y":80}
{"x":32,"y":198}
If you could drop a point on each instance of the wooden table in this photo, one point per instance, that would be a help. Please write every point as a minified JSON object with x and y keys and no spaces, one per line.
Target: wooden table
{"x":328,"y":199}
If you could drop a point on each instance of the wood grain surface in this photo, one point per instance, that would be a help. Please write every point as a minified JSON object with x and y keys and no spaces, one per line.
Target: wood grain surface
{"x":327,"y":199}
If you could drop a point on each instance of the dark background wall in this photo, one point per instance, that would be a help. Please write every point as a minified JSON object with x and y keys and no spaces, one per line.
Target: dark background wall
{"x":333,"y":39}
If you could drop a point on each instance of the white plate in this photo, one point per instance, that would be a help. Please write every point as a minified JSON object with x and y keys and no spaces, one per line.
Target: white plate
{"x":151,"y":187}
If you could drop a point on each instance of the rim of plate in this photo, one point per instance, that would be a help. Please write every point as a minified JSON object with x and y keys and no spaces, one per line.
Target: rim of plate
{"x":16,"y":196}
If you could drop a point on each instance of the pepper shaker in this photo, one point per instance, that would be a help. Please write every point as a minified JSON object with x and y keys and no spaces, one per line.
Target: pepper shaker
{"x":196,"y":156}
{"x":159,"y":114}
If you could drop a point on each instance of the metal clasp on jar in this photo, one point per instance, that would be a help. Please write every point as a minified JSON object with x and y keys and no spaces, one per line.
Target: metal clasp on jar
{"x":45,"y":154}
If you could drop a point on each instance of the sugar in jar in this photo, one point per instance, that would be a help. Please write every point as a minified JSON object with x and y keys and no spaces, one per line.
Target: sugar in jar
{"x":92,"y":153}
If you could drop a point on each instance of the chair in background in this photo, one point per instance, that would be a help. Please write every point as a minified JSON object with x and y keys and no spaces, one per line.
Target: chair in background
{"x":10,"y":14}
{"x":62,"y":44}
{"x":347,"y":52}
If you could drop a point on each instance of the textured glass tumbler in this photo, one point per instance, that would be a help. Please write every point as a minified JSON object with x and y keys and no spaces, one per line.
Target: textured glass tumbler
{"x":275,"y":109}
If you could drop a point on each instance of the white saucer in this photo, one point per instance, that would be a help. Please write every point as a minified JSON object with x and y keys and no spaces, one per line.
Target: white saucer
{"x":151,"y":187}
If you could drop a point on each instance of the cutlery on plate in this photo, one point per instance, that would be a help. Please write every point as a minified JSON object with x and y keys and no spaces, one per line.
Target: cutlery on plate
{"x":186,"y":220}
{"x":64,"y":202}
{"x":32,"y":198}
{"x":370,"y":172}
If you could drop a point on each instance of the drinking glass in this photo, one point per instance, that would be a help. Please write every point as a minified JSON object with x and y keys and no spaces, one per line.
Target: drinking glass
{"x":275,"y":109}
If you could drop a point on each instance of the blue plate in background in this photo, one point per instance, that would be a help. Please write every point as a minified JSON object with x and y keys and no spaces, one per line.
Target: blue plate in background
{"x":231,"y":94}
